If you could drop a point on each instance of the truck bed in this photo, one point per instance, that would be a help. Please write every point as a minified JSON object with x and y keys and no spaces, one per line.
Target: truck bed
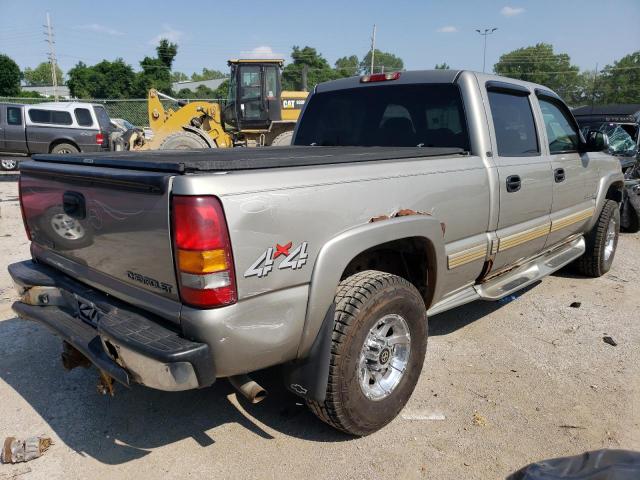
{"x":213,"y":160}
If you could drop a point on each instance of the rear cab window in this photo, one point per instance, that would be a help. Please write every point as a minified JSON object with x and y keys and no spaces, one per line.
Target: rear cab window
{"x":83,"y":117}
{"x":513,"y":123}
{"x":53,"y":117}
{"x":425,"y":115}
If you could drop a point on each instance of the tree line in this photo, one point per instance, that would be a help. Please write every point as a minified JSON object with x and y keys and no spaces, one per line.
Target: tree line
{"x":615,"y":83}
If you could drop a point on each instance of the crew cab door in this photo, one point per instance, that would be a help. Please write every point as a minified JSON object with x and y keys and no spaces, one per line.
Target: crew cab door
{"x":12,"y":136}
{"x":574,"y":177}
{"x":524,"y":174}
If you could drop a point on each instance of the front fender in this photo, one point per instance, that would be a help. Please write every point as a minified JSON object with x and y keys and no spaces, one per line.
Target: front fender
{"x":336,"y":254}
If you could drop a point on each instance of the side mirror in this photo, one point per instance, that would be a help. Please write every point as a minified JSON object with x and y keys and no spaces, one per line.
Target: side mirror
{"x":596,"y":141}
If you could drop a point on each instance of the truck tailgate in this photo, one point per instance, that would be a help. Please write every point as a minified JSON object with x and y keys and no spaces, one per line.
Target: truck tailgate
{"x":107,"y":227}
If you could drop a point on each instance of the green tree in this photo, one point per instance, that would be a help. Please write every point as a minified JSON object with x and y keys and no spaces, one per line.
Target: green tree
{"x":104,"y":80}
{"x":383,"y":62}
{"x":179,"y":77}
{"x":41,"y":75}
{"x":347,"y":66}
{"x":317,"y":67}
{"x":207,"y":74}
{"x":442,"y":66}
{"x":167,"y":51}
{"x":620,"y":82}
{"x":541,"y":65}
{"x":9,"y":77}
{"x":222,"y":91}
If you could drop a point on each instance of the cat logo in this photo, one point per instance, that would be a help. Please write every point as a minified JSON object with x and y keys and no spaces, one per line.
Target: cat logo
{"x":292,"y":104}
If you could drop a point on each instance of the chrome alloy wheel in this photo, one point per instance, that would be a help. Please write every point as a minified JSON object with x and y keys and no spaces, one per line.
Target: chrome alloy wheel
{"x":384,"y":357}
{"x":9,"y":163}
{"x":67,"y":227}
{"x":610,"y":242}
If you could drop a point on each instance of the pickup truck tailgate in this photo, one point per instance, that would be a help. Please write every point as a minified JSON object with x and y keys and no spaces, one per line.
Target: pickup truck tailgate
{"x":104,"y":226}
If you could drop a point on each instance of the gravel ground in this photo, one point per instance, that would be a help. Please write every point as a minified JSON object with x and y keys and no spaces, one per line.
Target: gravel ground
{"x":503,"y":385}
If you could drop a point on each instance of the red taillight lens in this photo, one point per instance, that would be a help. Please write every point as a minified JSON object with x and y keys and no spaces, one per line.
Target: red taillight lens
{"x":203,"y":252}
{"x":99,"y":138}
{"x":24,"y":217}
{"x":380,"y":77}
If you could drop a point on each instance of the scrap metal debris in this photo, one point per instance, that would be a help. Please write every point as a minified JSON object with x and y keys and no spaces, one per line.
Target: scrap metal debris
{"x":15,"y":450}
{"x":479,"y":420}
{"x":105,"y":384}
{"x":609,"y":340}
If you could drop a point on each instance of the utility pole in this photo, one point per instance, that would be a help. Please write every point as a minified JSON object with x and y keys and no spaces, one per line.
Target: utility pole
{"x":373,"y":47}
{"x":487,"y":31}
{"x":593,"y":90}
{"x":52,"y":56}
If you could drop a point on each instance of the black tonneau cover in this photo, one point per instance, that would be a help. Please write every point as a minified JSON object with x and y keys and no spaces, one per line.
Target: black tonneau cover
{"x":212,"y":160}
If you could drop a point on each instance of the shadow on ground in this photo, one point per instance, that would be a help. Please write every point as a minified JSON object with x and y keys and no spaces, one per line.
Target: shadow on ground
{"x":122,"y":428}
{"x":118,"y":429}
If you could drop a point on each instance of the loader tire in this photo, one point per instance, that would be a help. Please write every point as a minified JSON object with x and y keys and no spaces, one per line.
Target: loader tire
{"x":283,"y":140}
{"x":182,"y":141}
{"x":379,"y":341}
{"x":602,"y":242}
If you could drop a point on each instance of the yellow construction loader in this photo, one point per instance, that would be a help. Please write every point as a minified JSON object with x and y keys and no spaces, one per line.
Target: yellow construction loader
{"x":257,"y":113}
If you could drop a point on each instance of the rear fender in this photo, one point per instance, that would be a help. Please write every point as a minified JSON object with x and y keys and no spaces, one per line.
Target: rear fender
{"x":307,"y":376}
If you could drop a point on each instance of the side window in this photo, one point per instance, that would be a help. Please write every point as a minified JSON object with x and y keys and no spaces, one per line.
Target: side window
{"x":83,"y":117}
{"x":40,"y":116}
{"x":50,"y":116}
{"x":271,"y":81}
{"x":61,"y":118}
{"x":514,"y":125}
{"x":14,"y":116}
{"x":562,"y":135}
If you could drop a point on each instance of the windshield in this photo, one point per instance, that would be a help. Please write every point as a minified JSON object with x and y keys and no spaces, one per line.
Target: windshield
{"x":424,"y":115}
{"x":622,"y":138}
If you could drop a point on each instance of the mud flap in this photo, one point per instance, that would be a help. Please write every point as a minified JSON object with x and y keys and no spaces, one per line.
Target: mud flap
{"x":308,"y":377}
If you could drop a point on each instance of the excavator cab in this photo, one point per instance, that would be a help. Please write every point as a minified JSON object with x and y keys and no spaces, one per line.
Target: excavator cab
{"x":254,"y":95}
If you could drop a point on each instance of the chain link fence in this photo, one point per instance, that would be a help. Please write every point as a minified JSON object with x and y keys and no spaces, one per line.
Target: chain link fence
{"x":134,"y":110}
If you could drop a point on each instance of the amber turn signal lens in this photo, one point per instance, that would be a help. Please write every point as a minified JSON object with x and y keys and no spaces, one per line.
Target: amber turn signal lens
{"x":202,"y":261}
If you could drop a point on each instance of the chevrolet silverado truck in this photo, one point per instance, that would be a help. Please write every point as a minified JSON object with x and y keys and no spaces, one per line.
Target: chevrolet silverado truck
{"x":403,"y":195}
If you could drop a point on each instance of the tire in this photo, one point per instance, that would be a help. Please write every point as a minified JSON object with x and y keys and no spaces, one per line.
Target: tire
{"x":9,"y":164}
{"x":182,"y":141}
{"x":602,"y":242}
{"x":363,"y":302}
{"x":64,"y":149}
{"x":283,"y":139}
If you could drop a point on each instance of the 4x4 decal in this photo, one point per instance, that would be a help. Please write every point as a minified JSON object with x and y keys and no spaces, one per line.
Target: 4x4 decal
{"x":292,"y":258}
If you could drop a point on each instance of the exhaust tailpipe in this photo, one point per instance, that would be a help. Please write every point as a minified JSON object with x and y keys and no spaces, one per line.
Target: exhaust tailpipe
{"x":248,"y":388}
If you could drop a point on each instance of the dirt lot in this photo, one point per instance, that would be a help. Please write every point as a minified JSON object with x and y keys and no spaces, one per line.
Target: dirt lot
{"x":535,"y":372}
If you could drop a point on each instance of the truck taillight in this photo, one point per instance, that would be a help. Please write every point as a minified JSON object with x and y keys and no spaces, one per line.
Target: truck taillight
{"x":203,"y":252}
{"x":24,"y":217}
{"x":99,"y":138}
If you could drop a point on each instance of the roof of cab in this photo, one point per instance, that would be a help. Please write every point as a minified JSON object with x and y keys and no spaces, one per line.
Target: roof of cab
{"x":427,"y":76}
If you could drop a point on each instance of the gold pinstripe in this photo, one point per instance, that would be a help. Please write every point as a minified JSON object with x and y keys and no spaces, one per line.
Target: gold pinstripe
{"x":517,"y":239}
{"x":465,"y":256}
{"x":563,"y":222}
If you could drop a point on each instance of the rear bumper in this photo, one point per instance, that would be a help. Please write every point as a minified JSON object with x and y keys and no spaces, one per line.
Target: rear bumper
{"x":129,"y":345}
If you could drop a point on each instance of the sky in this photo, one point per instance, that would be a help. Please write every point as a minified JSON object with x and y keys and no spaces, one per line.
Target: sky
{"x":421,"y":32}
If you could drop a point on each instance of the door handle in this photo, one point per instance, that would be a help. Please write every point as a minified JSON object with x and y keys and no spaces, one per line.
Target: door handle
{"x":513,"y":183}
{"x":559,"y":175}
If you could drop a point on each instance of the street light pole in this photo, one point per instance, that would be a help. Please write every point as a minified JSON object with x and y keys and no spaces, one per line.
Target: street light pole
{"x":487,"y":31}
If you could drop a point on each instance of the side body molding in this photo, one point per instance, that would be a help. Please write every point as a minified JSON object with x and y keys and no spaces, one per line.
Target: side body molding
{"x":336,"y":254}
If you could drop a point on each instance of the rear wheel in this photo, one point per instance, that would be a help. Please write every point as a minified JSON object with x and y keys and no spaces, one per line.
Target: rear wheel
{"x":283,"y":140}
{"x":183,"y":141}
{"x":378,"y":347}
{"x":64,"y":149}
{"x":602,"y":242}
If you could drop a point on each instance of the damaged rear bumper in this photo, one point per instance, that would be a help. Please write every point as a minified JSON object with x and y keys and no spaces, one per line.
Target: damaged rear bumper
{"x":129,"y":345}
